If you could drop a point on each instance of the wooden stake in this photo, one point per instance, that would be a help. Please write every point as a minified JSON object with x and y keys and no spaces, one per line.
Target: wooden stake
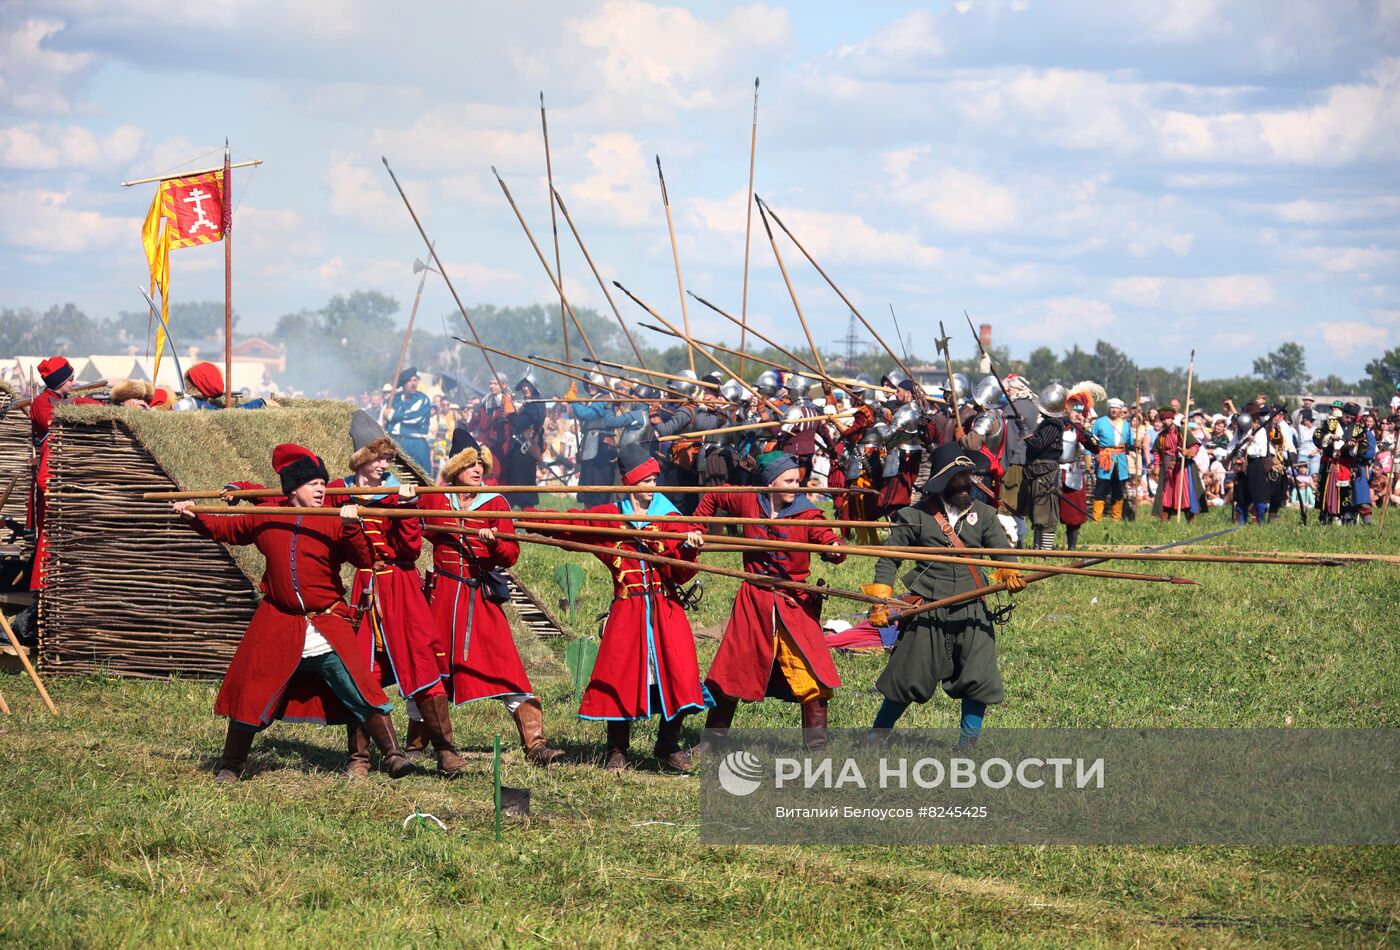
{"x":676,"y":255}
{"x":28,"y":667}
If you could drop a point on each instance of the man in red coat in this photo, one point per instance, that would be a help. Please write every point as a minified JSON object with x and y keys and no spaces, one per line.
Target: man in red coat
{"x":397,"y":631}
{"x":57,"y":374}
{"x":646,"y":662}
{"x":468,"y":591}
{"x":299,"y":659}
{"x":774,"y":645}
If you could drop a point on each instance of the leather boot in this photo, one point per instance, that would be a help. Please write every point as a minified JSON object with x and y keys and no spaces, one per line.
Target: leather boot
{"x":668,"y":749}
{"x":416,"y":742}
{"x":529,"y":720}
{"x":619,"y":738}
{"x":719,"y":718}
{"x":814,"y":725}
{"x":357,"y":746}
{"x":229,"y":768}
{"x":381,"y":730}
{"x":1098,"y":509}
{"x":437,"y":721}
{"x":1117,"y":510}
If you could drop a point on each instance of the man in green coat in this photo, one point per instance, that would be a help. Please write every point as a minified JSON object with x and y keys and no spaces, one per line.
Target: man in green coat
{"x":952,"y":646}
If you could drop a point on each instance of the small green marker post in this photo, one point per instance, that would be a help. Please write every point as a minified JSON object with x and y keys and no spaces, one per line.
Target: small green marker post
{"x":496,"y":746}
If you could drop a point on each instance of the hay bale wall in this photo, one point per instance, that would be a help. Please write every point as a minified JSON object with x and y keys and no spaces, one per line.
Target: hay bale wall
{"x":131,"y":590}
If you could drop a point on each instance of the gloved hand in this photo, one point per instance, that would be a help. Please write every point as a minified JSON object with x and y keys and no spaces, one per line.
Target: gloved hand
{"x":879,"y":615}
{"x":1013,"y":578}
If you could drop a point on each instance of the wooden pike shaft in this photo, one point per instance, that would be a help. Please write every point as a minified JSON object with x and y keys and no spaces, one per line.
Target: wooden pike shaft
{"x":703,"y":352}
{"x":554,"y":226}
{"x":564,"y":305}
{"x":703,"y":568}
{"x":585,"y":369}
{"x":523,"y":359}
{"x":1183,"y":428}
{"x":844,"y":299}
{"x":28,"y":667}
{"x":1324,"y":560}
{"x":720,"y":347}
{"x":748,"y":229}
{"x":749,"y":426}
{"x":408,"y":334}
{"x":922,"y":554}
{"x":676,"y":255}
{"x":558,"y":518}
{"x":834,"y":380}
{"x":86,"y":387}
{"x":602,"y":284}
{"x":432,"y":250}
{"x":656,"y":373}
{"x":4,"y":706}
{"x":358,"y":491}
{"x":807,"y":331}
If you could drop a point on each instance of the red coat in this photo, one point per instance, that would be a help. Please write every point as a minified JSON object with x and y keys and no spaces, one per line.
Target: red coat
{"x":898,"y":490}
{"x":484,"y":660}
{"x":744,"y":663}
{"x":646,"y":627}
{"x":390,"y":594}
{"x":41,"y":420}
{"x":301,"y":582}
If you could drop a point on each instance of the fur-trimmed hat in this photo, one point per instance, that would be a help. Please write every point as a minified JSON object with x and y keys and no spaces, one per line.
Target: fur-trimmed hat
{"x":369,"y":440}
{"x":466,"y":451}
{"x":125,"y":389}
{"x":296,"y":465}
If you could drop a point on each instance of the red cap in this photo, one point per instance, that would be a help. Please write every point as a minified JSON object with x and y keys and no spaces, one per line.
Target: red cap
{"x":206,"y":378}
{"x":638,"y":474}
{"x":55,"y":371}
{"x":289,"y":452}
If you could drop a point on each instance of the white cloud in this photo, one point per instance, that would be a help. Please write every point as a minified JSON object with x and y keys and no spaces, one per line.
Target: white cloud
{"x":1230,"y":293}
{"x":35,"y":79}
{"x":1061,"y":319}
{"x":362,"y":194}
{"x":956,"y":199}
{"x":1351,"y":260}
{"x":622,"y":186}
{"x":38,"y":147}
{"x":1347,"y":338}
{"x":41,"y":220}
{"x":655,"y":58}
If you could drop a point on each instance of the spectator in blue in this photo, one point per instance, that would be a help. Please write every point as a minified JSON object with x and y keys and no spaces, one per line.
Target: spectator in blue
{"x":407,"y":421}
{"x":1114,"y":435}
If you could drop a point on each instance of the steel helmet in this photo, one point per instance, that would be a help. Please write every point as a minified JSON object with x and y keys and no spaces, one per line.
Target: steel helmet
{"x":687,"y":385}
{"x":962,"y":388}
{"x":644,"y":391}
{"x":893,"y":378}
{"x":797,"y":385}
{"x":597,"y":380}
{"x":1244,"y":422}
{"x":990,"y":425}
{"x":769,"y":383}
{"x":732,"y":390}
{"x":907,"y":418}
{"x":1052,"y":400}
{"x":790,"y":418}
{"x":987,"y":393}
{"x":529,"y":379}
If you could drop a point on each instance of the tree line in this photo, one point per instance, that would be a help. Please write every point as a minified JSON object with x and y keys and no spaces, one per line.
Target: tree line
{"x":352,"y":342}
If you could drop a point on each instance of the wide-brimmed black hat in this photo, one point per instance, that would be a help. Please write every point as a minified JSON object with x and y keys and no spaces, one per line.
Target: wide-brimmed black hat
{"x":948,"y":460}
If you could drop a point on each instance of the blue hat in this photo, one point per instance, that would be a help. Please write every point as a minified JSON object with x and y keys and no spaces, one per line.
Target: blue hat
{"x":773,"y":464}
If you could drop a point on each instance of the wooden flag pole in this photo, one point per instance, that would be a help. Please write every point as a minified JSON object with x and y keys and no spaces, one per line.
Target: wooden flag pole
{"x":228,"y":280}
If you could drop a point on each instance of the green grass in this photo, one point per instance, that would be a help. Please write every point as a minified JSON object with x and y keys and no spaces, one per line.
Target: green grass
{"x":111,"y":833}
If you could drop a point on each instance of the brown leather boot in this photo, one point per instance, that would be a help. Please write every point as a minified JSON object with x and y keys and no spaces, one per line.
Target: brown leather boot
{"x":719,"y":718}
{"x":381,"y":730}
{"x":619,"y":738}
{"x":357,"y":745}
{"x":814,"y":725}
{"x":416,"y":741}
{"x":529,"y":720}
{"x":437,"y":720}
{"x":229,"y":768}
{"x":668,"y":749}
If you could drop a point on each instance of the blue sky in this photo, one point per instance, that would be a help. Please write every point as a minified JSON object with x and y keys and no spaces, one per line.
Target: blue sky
{"x":1188,"y":173}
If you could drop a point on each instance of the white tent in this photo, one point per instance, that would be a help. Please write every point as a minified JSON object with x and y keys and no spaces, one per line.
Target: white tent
{"x":249,"y":374}
{"x":101,"y":367}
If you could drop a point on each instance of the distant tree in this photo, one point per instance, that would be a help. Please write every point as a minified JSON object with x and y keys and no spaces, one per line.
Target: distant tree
{"x":1209,"y":393}
{"x":1076,"y":365}
{"x":1383,"y":375}
{"x":1042,"y":366}
{"x":1115,"y":371}
{"x":1334,"y":385}
{"x":1287,"y":366}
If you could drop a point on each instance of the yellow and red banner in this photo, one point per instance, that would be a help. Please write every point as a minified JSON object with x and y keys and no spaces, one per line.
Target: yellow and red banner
{"x":184,"y":213}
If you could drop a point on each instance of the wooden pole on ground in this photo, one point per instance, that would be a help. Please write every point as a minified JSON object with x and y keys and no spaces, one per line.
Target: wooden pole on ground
{"x":28,"y":667}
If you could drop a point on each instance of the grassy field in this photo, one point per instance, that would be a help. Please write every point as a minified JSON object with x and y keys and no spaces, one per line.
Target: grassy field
{"x":111,"y":833}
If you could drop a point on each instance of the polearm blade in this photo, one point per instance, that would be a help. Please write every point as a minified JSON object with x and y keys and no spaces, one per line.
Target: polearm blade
{"x":174,"y":351}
